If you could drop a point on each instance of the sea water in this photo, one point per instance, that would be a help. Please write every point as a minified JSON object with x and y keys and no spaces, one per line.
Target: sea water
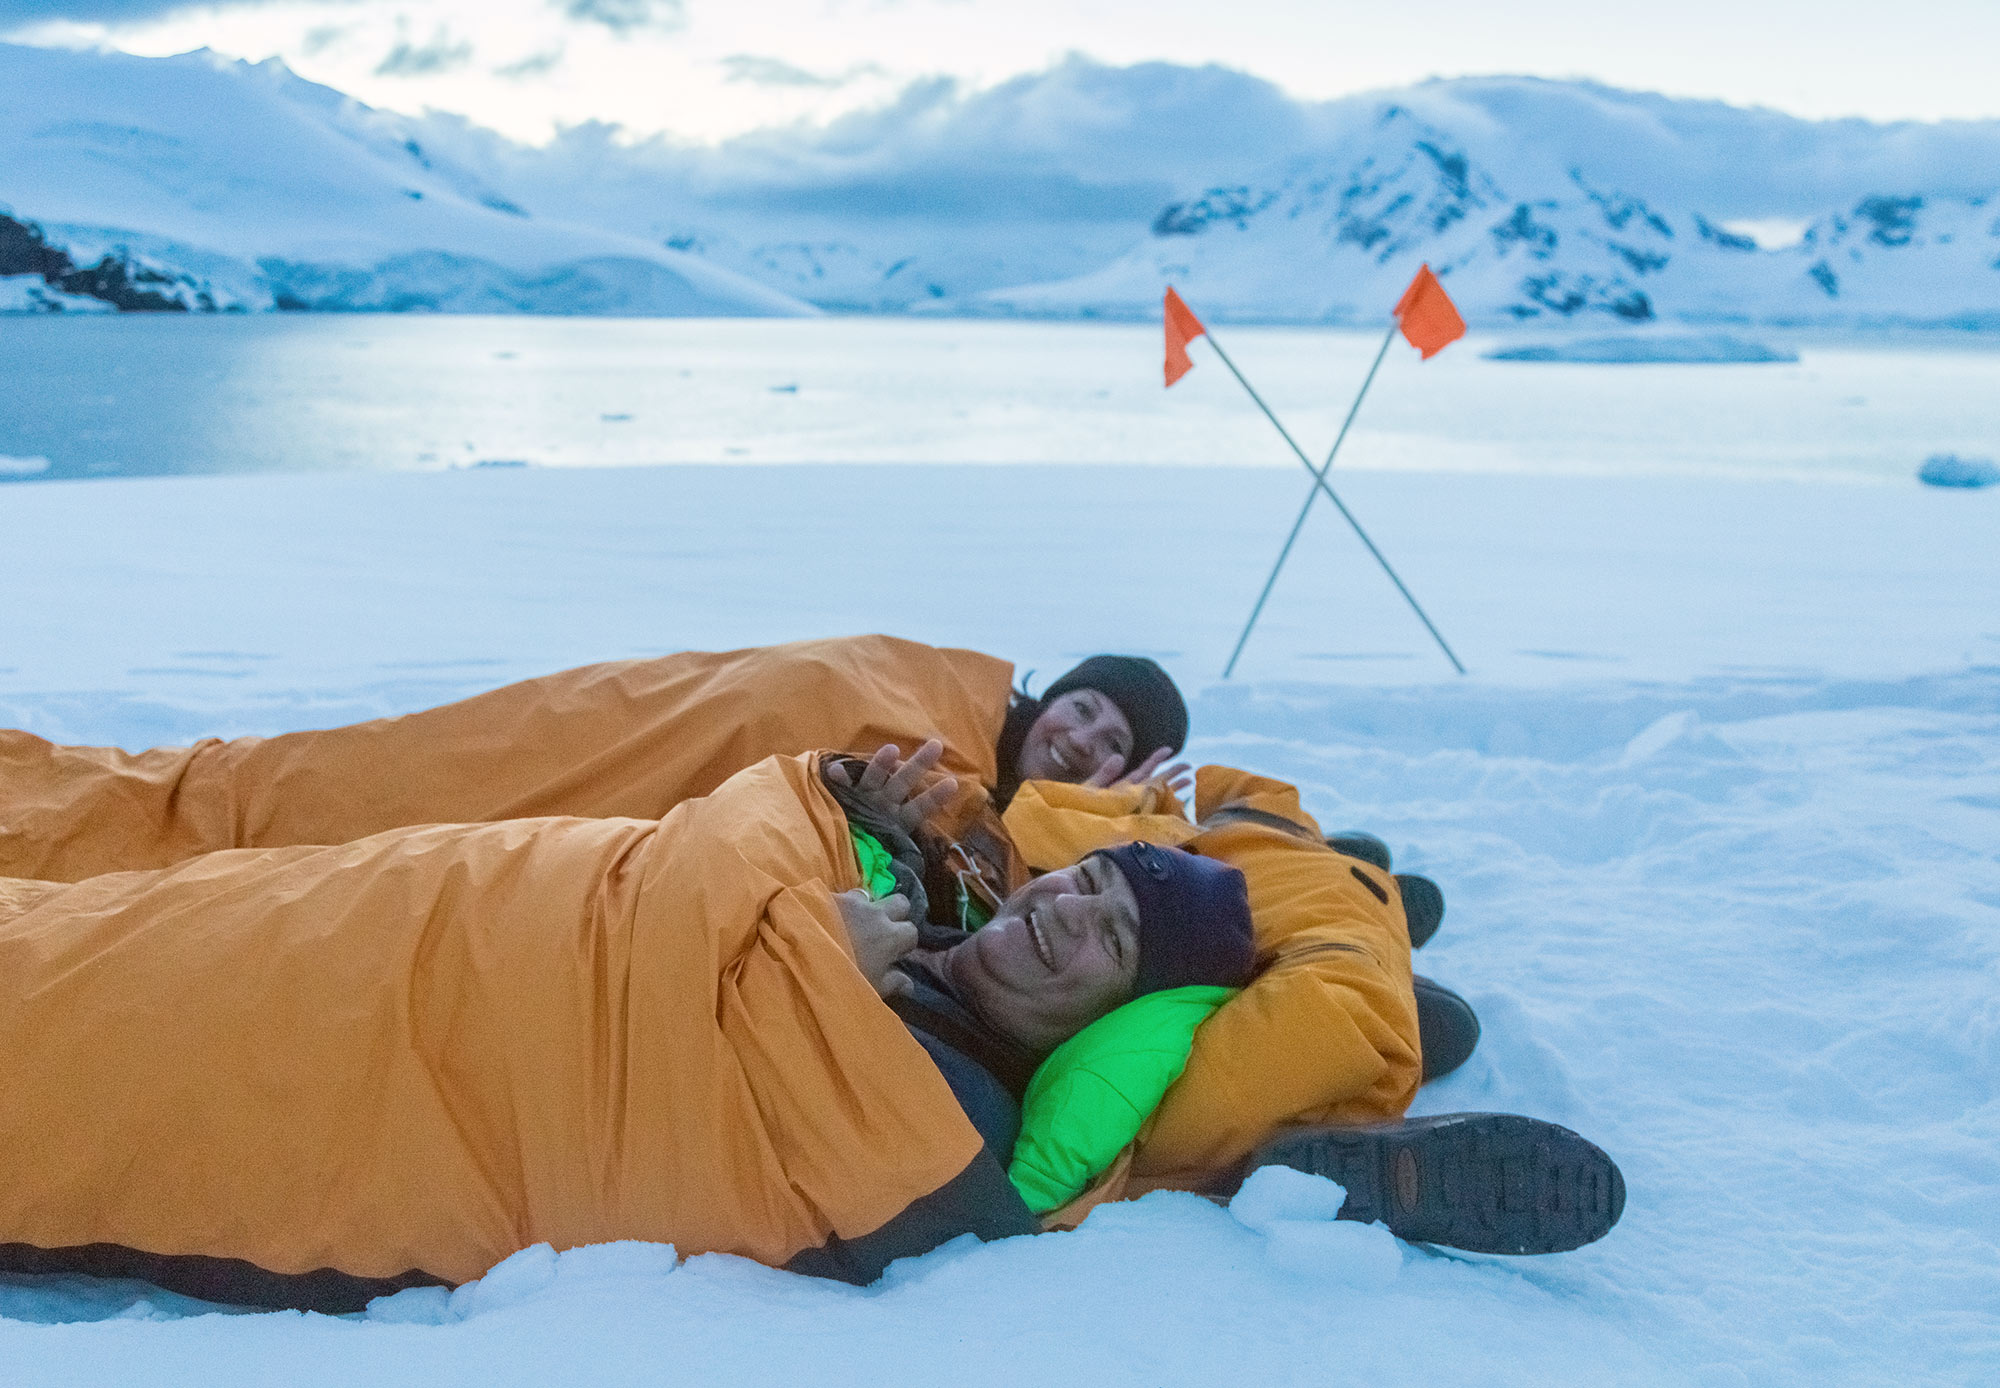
{"x":147,"y":395}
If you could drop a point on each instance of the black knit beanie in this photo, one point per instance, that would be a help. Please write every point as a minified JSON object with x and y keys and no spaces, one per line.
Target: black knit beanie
{"x":1194,"y":918}
{"x":1144,"y":693}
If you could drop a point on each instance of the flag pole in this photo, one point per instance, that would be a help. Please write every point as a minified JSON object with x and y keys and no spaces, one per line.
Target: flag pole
{"x":1320,"y":484}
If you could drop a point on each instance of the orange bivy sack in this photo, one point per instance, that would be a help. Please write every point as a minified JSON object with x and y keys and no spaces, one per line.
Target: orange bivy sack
{"x":629,"y":738}
{"x":407,"y":1057}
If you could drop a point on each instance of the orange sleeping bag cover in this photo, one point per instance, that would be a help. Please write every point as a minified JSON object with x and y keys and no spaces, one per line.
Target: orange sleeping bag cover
{"x":431,"y":1048}
{"x":1326,"y":1033}
{"x":629,"y":738}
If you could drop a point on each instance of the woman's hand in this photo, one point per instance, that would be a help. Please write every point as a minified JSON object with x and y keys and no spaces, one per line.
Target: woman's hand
{"x":888,"y":784}
{"x":880,"y":932}
{"x":1179,"y":777}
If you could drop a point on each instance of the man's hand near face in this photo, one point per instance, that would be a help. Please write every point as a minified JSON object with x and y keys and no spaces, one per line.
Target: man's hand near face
{"x":881,"y":932}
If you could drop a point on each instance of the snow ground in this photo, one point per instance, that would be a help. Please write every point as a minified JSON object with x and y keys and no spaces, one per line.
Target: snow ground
{"x":1715,"y":810}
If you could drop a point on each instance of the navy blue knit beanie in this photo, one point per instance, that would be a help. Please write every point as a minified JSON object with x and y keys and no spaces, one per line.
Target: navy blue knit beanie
{"x":1194,"y":918}
{"x":1144,"y":693}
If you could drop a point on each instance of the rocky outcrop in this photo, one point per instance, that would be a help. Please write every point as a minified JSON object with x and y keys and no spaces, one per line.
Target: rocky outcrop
{"x":116,"y":278}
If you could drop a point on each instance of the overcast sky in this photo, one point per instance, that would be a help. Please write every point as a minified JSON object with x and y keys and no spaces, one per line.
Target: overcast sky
{"x":704,"y":69}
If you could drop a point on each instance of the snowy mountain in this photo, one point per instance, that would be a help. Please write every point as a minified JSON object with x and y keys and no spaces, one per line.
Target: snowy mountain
{"x":218,"y":184}
{"x":1335,"y":239}
{"x":198,"y":182}
{"x":1082,"y":189}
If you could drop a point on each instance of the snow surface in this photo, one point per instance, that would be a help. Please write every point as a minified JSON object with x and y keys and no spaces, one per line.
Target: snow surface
{"x":1715,"y":812}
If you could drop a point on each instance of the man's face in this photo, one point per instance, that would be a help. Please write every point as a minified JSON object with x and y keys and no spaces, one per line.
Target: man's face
{"x":1060,"y":953}
{"x":1071,"y":738}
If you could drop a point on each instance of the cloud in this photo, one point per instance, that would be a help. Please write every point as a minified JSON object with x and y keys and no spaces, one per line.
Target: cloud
{"x":534,"y":65}
{"x":775,"y":72}
{"x":1080,"y":146}
{"x":1078,"y":142}
{"x":326,"y":36}
{"x":623,"y":16}
{"x":441,"y":54}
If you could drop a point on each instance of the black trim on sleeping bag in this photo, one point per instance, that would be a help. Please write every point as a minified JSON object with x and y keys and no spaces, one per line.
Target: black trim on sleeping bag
{"x":978,"y":1200}
{"x":229,"y":1281}
{"x":991,"y":1108}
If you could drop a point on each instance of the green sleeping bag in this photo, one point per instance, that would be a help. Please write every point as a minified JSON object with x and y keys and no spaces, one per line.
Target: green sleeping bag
{"x":1097,"y":1090}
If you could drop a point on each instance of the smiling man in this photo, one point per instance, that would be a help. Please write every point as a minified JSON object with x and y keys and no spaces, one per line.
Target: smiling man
{"x":1061,"y":952}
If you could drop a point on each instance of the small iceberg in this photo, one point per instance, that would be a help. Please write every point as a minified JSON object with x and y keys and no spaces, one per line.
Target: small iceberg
{"x":22,"y":467}
{"x":1950,"y":470}
{"x":1684,"y":348}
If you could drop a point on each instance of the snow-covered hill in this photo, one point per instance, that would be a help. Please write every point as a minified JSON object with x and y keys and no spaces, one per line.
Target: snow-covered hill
{"x":1079,"y":191}
{"x":1336,"y":238}
{"x":231,"y":185}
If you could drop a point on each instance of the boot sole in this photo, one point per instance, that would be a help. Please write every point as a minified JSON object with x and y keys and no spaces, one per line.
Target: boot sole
{"x":1483,"y":1182}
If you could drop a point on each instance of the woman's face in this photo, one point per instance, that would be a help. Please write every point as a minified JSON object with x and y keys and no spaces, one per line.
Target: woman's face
{"x":1074,"y":736}
{"x":1060,"y":953}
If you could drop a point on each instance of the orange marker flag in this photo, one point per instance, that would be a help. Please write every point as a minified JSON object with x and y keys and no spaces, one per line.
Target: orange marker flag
{"x":1182,"y":328}
{"x":1428,"y":317}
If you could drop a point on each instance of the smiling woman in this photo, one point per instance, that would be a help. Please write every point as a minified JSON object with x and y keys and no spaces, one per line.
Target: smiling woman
{"x":1112,"y":717}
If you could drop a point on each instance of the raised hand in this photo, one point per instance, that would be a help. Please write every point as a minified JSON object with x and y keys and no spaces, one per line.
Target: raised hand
{"x":1179,"y":777}
{"x":888,"y":785}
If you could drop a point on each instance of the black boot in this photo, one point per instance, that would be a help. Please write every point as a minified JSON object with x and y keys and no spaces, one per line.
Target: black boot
{"x":1423,"y":902}
{"x":1359,"y":843}
{"x":1423,"y":907}
{"x":1484,"y":1182}
{"x":1446,"y":1025}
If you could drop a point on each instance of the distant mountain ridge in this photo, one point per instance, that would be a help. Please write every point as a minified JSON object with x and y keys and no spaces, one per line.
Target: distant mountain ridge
{"x":1336,"y":239}
{"x":200,"y":183}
